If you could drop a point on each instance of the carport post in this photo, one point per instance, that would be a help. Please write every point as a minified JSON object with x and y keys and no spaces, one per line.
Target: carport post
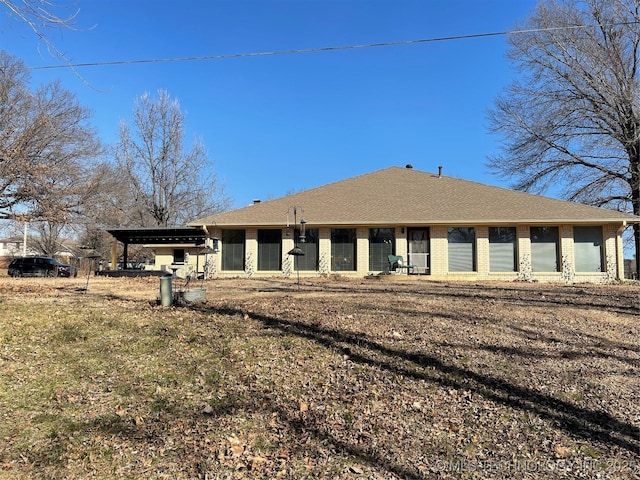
{"x":114,"y":254}
{"x":125,"y":256}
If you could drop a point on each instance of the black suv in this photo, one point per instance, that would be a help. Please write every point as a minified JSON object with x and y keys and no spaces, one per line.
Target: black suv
{"x":40,"y":267}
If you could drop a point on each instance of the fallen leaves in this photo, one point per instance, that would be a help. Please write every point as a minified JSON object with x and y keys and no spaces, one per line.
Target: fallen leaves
{"x":344,"y":379}
{"x":237,"y":447}
{"x":562,"y":452}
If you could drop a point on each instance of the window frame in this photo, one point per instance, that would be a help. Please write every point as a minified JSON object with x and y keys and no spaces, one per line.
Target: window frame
{"x":233,"y":249}
{"x":581,"y":256}
{"x":340,"y":249}
{"x":457,"y":253}
{"x":498,"y":241}
{"x":269,"y":249}
{"x":539,"y":247}
{"x":176,"y":257}
{"x":382,"y":243}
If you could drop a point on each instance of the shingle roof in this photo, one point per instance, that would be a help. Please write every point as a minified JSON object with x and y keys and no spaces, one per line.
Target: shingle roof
{"x":404,"y":196}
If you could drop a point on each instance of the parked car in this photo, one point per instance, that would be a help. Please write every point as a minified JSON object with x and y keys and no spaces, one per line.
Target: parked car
{"x":66,"y":270}
{"x":131,"y":266}
{"x":40,"y":267}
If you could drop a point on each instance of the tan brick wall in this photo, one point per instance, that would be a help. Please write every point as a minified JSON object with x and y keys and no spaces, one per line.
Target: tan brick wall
{"x":567,"y":250}
{"x":325,"y":250}
{"x":362,"y":250}
{"x":523,"y":234}
{"x":619,"y":251}
{"x":439,"y":251}
{"x":482,"y":251}
{"x":164,"y":258}
{"x":288,"y":243}
{"x":439,"y":258}
{"x":613,"y":253}
{"x":402,"y":246}
{"x":288,"y":261}
{"x":251,"y":251}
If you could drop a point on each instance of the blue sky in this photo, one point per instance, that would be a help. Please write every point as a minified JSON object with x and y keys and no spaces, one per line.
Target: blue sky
{"x":277,"y":124}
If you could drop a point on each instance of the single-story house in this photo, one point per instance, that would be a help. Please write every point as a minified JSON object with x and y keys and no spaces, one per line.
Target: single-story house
{"x":14,"y":247}
{"x":443,"y":227}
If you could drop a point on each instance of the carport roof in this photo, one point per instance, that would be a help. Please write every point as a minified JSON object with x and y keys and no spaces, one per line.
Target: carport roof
{"x":159,"y":236}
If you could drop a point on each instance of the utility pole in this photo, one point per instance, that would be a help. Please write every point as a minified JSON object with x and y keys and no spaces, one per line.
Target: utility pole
{"x":24,"y":239}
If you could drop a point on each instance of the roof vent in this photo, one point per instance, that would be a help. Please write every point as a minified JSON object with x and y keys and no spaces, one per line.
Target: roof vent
{"x":409,"y":166}
{"x":439,"y":171}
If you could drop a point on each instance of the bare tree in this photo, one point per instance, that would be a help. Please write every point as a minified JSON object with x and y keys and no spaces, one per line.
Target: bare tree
{"x":50,"y":240}
{"x":170,"y":184}
{"x":571,"y":122}
{"x":41,"y":15}
{"x":112,"y":204}
{"x":46,"y":147}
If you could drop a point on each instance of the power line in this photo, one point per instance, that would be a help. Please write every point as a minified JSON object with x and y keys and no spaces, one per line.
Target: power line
{"x":324,"y":49}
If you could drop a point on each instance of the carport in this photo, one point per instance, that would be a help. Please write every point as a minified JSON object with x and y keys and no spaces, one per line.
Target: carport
{"x":157,"y":236}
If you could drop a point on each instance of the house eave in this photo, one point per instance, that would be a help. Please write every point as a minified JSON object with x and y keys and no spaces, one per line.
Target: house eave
{"x":427,"y":222}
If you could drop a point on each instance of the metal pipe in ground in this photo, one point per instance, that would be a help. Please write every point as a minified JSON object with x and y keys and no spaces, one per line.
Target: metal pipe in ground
{"x":166,"y":291}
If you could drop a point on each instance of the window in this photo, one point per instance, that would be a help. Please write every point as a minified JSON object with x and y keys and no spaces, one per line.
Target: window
{"x":462,"y":249}
{"x":269,"y":249}
{"x":382,"y":243}
{"x":544,"y":249}
{"x":588,"y":249}
{"x":311,"y":250}
{"x":503,"y":252}
{"x":343,"y":249}
{"x":418,"y":246}
{"x":233,"y":249}
{"x":178,"y":255}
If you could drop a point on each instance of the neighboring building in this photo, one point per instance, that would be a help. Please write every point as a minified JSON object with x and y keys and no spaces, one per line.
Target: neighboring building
{"x":13,"y":247}
{"x":66,"y":249}
{"x":446,"y":227}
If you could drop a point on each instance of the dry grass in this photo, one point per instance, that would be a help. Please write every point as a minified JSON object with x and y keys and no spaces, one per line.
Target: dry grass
{"x":339,"y":379}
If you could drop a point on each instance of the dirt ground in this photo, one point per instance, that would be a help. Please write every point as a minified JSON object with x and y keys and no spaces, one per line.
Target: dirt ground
{"x":380,"y":378}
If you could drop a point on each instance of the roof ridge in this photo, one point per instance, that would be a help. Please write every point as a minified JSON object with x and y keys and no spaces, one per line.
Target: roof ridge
{"x":401,"y":195}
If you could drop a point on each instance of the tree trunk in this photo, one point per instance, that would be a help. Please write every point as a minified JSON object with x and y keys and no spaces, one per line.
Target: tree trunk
{"x":633,"y":151}
{"x":635,"y":201}
{"x":636,"y":238}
